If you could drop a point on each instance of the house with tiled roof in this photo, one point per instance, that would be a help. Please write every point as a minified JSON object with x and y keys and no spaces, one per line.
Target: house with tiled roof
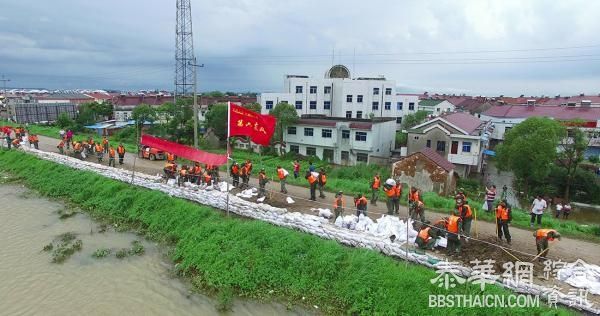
{"x":426,"y":170}
{"x":458,"y":137}
{"x":436,"y":107}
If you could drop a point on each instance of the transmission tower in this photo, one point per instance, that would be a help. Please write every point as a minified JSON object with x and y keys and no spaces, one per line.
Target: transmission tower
{"x":184,"y":50}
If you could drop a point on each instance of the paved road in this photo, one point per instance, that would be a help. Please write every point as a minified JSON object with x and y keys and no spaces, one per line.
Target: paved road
{"x":567,"y":249}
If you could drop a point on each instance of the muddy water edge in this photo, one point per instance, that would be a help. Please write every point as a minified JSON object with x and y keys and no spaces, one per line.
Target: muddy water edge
{"x":135,"y":285}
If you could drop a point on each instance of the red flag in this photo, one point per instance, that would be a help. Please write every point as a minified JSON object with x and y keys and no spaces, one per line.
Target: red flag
{"x":183,"y":151}
{"x":244,"y":122}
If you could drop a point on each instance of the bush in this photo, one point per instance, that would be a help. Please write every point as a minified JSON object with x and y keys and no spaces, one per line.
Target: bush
{"x":64,"y":121}
{"x":594,"y":159}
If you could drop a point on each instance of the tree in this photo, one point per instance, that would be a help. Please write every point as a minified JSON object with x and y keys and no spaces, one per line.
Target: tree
{"x":64,"y":121}
{"x":286,"y":115}
{"x":215,"y":94}
{"x":143,"y":113}
{"x":216,"y":118}
{"x":256,"y":107}
{"x":571,"y":153}
{"x":529,"y":149}
{"x":411,"y":120}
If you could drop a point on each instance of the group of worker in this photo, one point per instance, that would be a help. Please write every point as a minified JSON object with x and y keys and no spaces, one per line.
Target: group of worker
{"x":243,"y":171}
{"x":90,"y":147}
{"x":195,"y":174}
{"x":17,"y":135}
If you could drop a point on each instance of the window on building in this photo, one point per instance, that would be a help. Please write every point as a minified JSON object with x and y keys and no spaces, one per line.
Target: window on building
{"x":313,"y":105}
{"x":399,"y":106}
{"x":298,"y":105}
{"x":349,"y":98}
{"x":375,"y":105}
{"x":360,"y":136}
{"x":358,"y":114}
{"x":387,"y":106}
{"x":376,"y":91}
{"x":295,"y":149}
{"x":298,"y":89}
{"x":345,"y":134}
{"x":399,"y":120}
{"x":308,"y":131}
{"x":328,"y":155}
{"x":466,"y":147}
{"x":311,"y":151}
{"x":348,"y":114}
{"x":571,"y":104}
{"x":411,"y":106}
{"x":345,"y":155}
{"x":388,"y":91}
{"x":313,"y":89}
{"x":362,"y":157}
{"x":327,"y":90}
{"x":441,"y":146}
{"x":269,"y":105}
{"x":326,"y":133}
{"x":291,"y":130}
{"x":359,"y":98}
{"x":327,"y":105}
{"x":428,"y":143}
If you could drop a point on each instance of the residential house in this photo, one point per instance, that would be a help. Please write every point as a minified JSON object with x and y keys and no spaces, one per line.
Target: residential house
{"x":426,"y":170}
{"x":436,"y":107}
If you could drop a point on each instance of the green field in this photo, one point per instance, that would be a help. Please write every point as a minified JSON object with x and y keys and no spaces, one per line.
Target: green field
{"x":235,"y":256}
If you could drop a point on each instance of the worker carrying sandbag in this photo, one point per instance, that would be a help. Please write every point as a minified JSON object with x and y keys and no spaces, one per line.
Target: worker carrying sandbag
{"x":121,"y":152}
{"x":542,"y":236}
{"x":414,"y":196}
{"x":338,"y":205}
{"x":393,"y":192}
{"x":312,"y":182}
{"x":282,"y":174}
{"x":360,"y":201}
{"x":427,"y":237}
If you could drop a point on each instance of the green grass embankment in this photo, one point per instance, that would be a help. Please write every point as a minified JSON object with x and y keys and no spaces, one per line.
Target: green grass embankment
{"x":247,"y":257}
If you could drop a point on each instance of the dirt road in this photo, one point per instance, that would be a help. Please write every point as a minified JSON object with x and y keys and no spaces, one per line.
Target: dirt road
{"x":567,"y":249}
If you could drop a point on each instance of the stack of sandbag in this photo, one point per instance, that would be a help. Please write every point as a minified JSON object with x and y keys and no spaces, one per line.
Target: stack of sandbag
{"x":581,"y":275}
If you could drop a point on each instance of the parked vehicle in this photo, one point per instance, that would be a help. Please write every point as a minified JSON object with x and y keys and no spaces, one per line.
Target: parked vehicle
{"x":151,"y":153}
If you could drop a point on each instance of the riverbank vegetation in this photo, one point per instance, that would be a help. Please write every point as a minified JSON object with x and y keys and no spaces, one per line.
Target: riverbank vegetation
{"x":251,"y":258}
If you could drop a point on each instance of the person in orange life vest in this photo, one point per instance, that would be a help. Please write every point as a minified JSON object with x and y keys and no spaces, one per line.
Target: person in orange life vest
{"x":249,"y":167}
{"x":282,"y":175}
{"x":262,"y":182}
{"x":322,"y":181}
{"x":427,"y":237}
{"x":170,"y":157}
{"x":121,"y":153}
{"x":197,"y":173}
{"x":16,"y":142}
{"x":396,"y":201}
{"x":503,"y":217}
{"x":183,"y":172}
{"x":414,"y":196}
{"x":418,"y":213}
{"x":99,"y":152}
{"x":170,"y":169}
{"x":390,"y":192}
{"x":454,"y":229}
{"x":244,"y":175}
{"x":33,"y":139}
{"x":234,"y":171}
{"x":338,"y":205}
{"x":214,"y":173}
{"x":312,"y":181}
{"x":207,"y":177}
{"x":375,"y":184}
{"x":542,"y":236}
{"x":466,"y":214}
{"x":61,"y":147}
{"x":111,"y":156}
{"x":360,"y":201}
{"x":460,"y":195}
{"x":105,"y":143}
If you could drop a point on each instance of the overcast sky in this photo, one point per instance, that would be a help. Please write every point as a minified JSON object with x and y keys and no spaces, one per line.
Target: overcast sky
{"x":475,"y":47}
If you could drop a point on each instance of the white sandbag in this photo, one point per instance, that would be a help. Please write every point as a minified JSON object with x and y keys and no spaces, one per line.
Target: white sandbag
{"x":315,"y":174}
{"x":260,"y":200}
{"x":289,"y":200}
{"x":390,"y":182}
{"x":441,"y":242}
{"x":83,"y":155}
{"x":285,"y":172}
{"x":339,"y":221}
{"x":581,"y":275}
{"x":323,"y":212}
{"x":171,"y":182}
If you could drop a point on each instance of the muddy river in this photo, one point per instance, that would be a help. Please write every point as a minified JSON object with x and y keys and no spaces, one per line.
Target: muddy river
{"x":83,"y":285}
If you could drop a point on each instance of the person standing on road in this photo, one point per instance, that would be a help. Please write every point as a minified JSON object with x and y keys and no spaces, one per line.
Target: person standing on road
{"x":262,"y":182}
{"x":390,"y":192}
{"x":312,"y":181}
{"x":99,"y":152}
{"x":296,"y":169}
{"x":282,"y":174}
{"x":413,"y":198}
{"x":33,"y":139}
{"x":338,"y":205}
{"x":322,"y":181}
{"x":105,"y":144}
{"x":466,"y":214}
{"x":375,"y":184}
{"x":503,"y":217}
{"x":454,"y":228}
{"x":360,"y":201}
{"x":121,"y":152}
{"x":490,"y":197}
{"x":396,"y":200}
{"x":542,"y":236}
{"x":537,"y":210}
{"x":111,"y":156}
{"x":69,"y":138}
{"x":235,"y":174}
{"x":61,"y":147}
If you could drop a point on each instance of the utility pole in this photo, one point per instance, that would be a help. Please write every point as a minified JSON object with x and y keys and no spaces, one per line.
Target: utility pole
{"x":196,"y":66}
{"x":184,"y":50}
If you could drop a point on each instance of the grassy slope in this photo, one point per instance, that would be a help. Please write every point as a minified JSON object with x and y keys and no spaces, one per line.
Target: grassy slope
{"x":249,"y":257}
{"x":356,"y":179}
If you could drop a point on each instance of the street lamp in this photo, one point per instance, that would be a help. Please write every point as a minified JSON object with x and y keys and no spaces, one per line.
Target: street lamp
{"x":196,"y":66}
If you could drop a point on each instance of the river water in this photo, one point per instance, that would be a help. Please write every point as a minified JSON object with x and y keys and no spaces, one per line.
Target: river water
{"x":139,"y":285}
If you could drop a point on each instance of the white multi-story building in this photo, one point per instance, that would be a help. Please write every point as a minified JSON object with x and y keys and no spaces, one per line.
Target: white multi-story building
{"x":339,"y":95}
{"x":341,"y":140}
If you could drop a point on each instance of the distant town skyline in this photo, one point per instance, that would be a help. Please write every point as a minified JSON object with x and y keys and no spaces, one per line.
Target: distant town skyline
{"x":474,"y":47}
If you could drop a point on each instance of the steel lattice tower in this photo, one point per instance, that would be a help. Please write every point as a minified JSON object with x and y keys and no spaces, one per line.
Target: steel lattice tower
{"x":184,"y":50}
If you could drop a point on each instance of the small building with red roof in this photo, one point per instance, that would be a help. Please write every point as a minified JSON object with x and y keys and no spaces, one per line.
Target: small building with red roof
{"x":427,"y":171}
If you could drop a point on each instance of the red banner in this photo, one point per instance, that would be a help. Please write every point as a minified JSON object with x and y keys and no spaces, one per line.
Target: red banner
{"x":244,"y":122}
{"x":183,"y":151}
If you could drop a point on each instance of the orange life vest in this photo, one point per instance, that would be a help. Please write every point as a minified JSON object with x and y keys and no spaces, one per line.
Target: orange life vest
{"x":77,"y":146}
{"x":465,"y":211}
{"x":311,"y":179}
{"x":262,"y":176}
{"x":197,"y":170}
{"x":99,"y":148}
{"x":376,"y":182}
{"x":91,"y":141}
{"x":170,"y":157}
{"x":235,"y":170}
{"x":249,"y":167}
{"x":61,"y":144}
{"x":280,"y":174}
{"x":182,"y":172}
{"x":104,"y":141}
{"x":424,"y":234}
{"x":111,"y":152}
{"x":339,"y":202}
{"x":452,"y":225}
{"x":391,"y":192}
{"x":121,"y":150}
{"x":361,"y":201}
{"x":502,"y":213}
{"x":323,"y":178}
{"x":207,"y":177}
{"x":543,"y":233}
{"x":398,"y":191}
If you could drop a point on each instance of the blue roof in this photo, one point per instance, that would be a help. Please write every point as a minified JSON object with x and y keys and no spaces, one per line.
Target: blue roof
{"x":489,"y":152}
